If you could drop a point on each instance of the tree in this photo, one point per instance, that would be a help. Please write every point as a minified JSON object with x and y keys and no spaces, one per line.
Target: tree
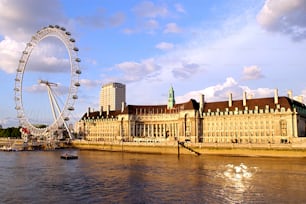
{"x":10,"y":132}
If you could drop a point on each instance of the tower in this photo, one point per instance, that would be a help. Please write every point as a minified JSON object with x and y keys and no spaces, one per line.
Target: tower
{"x":171,"y":99}
{"x":112,"y":95}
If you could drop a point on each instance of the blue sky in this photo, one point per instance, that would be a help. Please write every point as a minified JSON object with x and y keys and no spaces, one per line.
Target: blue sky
{"x":208,"y":47}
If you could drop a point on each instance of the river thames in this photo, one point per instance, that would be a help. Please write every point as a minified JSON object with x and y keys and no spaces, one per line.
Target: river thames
{"x":108,"y":177}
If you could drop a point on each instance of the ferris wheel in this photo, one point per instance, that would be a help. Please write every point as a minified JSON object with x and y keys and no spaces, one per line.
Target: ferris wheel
{"x":60,"y":113}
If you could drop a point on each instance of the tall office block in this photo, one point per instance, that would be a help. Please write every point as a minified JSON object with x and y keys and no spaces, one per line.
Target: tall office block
{"x":112,"y":95}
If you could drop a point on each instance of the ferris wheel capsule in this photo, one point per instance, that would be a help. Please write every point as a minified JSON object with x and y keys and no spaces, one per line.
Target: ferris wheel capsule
{"x":71,"y":108}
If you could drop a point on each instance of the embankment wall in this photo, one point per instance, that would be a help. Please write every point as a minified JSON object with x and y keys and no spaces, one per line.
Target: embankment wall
{"x":286,"y":150}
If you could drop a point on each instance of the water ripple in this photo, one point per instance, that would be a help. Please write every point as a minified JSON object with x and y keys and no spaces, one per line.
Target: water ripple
{"x":102,"y":177}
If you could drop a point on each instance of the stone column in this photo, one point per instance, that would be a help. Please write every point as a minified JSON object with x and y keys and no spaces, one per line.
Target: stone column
{"x":161,"y":130}
{"x":295,"y":125}
{"x":150,"y":130}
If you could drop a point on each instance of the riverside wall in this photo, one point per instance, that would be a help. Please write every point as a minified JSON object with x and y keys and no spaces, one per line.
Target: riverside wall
{"x":297,"y":149}
{"x":269,"y":150}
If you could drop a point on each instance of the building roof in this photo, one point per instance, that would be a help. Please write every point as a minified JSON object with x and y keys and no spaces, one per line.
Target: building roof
{"x":261,"y":103}
{"x":113,"y":84}
{"x":97,"y":114}
{"x":146,"y":109}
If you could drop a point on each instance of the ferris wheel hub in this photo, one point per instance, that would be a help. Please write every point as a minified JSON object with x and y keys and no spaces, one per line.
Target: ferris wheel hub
{"x":47,"y":83}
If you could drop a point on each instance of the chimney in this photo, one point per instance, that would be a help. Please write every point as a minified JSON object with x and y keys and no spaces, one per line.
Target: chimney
{"x":276,"y":96}
{"x":108,"y":109}
{"x":230,"y":100}
{"x":244,"y":98}
{"x":290,"y":95}
{"x":88,"y":111}
{"x":201,"y":103}
{"x":101,"y":110}
{"x":122,"y":106}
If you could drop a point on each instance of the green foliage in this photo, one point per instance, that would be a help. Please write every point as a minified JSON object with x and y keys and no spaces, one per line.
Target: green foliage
{"x":40,"y":126}
{"x":12,"y":132}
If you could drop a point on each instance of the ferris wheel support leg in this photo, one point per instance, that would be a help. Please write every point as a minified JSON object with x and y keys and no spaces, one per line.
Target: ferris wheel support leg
{"x":51,"y":103}
{"x":59,"y":111}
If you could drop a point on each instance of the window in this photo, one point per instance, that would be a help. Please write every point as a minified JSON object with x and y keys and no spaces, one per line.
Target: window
{"x":283,"y":127}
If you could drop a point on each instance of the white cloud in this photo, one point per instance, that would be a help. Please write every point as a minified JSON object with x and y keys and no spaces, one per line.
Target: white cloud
{"x":252,"y":73}
{"x":89,"y":83}
{"x":186,"y":70}
{"x":148,"y":26}
{"x":117,"y":19}
{"x":164,"y":46}
{"x":284,"y":16}
{"x":262,"y":92}
{"x":150,"y":10}
{"x":301,"y":97}
{"x":179,"y":8}
{"x":220,"y":92}
{"x":100,"y":19}
{"x":36,"y":88}
{"x":8,"y":122}
{"x":134,"y":71}
{"x":151,"y":25}
{"x":18,"y":22}
{"x":10,"y":52}
{"x":212,"y":55}
{"x":172,"y":28}
{"x":213,"y":93}
{"x":96,"y":19}
{"x":156,"y":13}
{"x":19,"y":19}
{"x":59,"y":89}
{"x":129,"y":31}
{"x":50,"y":55}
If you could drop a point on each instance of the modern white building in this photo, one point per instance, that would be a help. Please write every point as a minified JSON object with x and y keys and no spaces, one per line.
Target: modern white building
{"x":112,"y":96}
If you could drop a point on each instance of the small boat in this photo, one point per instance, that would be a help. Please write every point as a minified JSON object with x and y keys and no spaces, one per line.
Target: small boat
{"x":69,"y":156}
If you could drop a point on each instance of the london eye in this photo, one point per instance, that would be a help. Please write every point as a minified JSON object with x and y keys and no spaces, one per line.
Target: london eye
{"x":45,"y":97}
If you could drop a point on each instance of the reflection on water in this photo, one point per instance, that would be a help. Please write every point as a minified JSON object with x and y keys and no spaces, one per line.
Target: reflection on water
{"x":104,"y":177}
{"x":236,"y":180}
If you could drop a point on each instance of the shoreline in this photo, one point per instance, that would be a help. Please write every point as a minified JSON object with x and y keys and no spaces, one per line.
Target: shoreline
{"x":225,"y":150}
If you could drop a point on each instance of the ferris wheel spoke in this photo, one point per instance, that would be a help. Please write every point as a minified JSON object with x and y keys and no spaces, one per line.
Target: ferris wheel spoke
{"x":53,"y":102}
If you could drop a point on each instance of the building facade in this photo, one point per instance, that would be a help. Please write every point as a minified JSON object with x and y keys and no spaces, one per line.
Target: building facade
{"x":260,"y":121}
{"x":271,"y":120}
{"x":112,"y":95}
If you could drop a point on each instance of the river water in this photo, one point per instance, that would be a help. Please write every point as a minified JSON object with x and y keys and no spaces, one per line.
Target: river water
{"x":108,"y":177}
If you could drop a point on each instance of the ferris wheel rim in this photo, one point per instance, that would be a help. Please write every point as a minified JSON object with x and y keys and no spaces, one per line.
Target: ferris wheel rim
{"x":69,"y":42}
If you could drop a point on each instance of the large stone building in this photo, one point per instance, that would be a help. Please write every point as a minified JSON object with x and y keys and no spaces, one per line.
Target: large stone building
{"x":112,"y":95}
{"x":261,"y":121}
